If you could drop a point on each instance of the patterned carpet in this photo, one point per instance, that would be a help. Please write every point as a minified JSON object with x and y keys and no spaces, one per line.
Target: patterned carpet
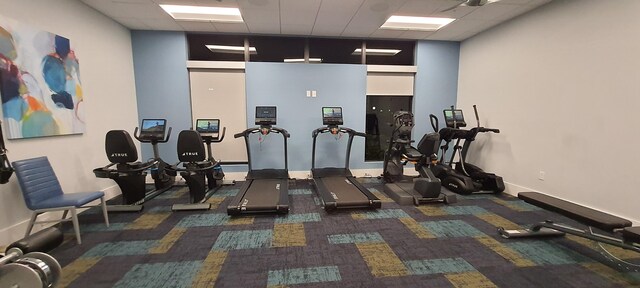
{"x":433,"y":245}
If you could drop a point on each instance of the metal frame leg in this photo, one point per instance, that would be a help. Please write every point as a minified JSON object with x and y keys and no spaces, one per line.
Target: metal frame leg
{"x":104,"y":210}
{"x":34,"y":215}
{"x":76,"y":225}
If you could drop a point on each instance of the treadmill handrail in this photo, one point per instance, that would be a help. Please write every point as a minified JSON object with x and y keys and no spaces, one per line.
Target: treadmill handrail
{"x":249,"y":131}
{"x":326,"y":129}
{"x":253,"y":130}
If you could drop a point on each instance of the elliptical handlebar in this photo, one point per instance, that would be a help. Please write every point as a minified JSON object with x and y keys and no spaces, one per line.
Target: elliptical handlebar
{"x":434,"y":122}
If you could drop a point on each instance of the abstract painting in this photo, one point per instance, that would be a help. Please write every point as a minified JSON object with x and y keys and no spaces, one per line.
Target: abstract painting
{"x":39,"y":82}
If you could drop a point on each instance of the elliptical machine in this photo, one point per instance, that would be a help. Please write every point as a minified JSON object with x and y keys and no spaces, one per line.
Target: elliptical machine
{"x":403,"y":189}
{"x":462,"y":177}
{"x":129,"y":173}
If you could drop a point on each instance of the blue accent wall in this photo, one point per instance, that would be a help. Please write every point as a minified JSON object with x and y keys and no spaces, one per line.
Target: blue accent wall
{"x":162,"y":85}
{"x":436,"y":82}
{"x":284,"y":85}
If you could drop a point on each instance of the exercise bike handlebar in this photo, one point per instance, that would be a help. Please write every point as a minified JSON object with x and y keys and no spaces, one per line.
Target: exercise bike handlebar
{"x":137,"y":136}
{"x":219,"y":139}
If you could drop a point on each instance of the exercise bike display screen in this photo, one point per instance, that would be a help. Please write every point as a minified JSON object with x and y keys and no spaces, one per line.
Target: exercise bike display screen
{"x":331,"y":115}
{"x":208,"y":127}
{"x":448,"y":118}
{"x":265,"y":115}
{"x":153,"y":128}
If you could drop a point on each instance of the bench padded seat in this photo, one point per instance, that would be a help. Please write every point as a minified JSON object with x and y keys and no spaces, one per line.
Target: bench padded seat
{"x":577,"y":212}
{"x":631,"y":234}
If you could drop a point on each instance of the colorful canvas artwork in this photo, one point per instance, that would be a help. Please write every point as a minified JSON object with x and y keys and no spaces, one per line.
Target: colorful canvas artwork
{"x":40,"y":82}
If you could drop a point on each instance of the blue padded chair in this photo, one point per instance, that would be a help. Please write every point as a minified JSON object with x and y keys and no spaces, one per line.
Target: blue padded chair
{"x":42,"y":193}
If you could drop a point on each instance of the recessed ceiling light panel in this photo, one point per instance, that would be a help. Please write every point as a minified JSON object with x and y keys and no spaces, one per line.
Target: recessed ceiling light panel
{"x":415,"y":23}
{"x":376,"y":52}
{"x":301,"y":60}
{"x":202,"y":13}
{"x":230,"y":49}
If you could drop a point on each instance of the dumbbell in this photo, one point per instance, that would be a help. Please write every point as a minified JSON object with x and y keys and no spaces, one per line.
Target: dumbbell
{"x":23,"y":265}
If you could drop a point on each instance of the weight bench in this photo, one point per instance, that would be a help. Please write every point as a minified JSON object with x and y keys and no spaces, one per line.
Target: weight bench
{"x":622,"y":234}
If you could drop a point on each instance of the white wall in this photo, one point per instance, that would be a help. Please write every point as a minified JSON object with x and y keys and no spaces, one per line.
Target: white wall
{"x":103,"y":48}
{"x":563,"y":85}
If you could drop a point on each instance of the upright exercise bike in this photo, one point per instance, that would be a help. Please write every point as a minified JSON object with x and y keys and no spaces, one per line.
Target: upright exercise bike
{"x":403,"y":189}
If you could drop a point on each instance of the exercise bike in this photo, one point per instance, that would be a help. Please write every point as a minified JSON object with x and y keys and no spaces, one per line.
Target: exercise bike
{"x":129,"y":173}
{"x":195,"y":167}
{"x":462,"y":177}
{"x":403,"y":189}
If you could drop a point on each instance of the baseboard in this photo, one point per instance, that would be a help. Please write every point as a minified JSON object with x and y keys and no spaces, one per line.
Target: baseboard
{"x":239,"y":176}
{"x":513,"y":189}
{"x":15,"y":232}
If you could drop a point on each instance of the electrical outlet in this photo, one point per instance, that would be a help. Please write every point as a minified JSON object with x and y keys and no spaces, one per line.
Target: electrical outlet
{"x":313,"y":93}
{"x":308,"y":93}
{"x":541,"y":175}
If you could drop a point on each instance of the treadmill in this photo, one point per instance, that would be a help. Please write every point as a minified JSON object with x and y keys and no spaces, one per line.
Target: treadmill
{"x":336,"y":186}
{"x":265,"y":190}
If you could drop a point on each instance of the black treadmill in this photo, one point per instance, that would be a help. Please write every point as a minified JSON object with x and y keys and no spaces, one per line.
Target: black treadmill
{"x":265,"y":190}
{"x":336,"y":186}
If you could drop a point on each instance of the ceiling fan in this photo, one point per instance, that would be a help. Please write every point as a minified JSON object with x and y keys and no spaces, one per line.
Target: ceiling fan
{"x":470,"y":3}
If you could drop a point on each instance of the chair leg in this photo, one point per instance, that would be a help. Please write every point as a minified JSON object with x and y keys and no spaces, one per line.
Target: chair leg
{"x":76,"y":226}
{"x":64,"y":214}
{"x":104,"y":211}
{"x":31,"y":222}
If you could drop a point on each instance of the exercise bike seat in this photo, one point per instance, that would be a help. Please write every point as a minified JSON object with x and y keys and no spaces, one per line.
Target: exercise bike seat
{"x":412,"y":154}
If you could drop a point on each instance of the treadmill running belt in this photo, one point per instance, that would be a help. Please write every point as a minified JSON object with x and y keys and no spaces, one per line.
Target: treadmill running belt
{"x":263,"y":193}
{"x":344,"y":192}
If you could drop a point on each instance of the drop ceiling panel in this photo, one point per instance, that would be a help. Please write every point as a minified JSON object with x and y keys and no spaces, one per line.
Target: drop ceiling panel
{"x":140,"y":10}
{"x":335,"y":13}
{"x":161,"y":24}
{"x":297,"y":29}
{"x":492,"y":11}
{"x":421,"y":7}
{"x":231,"y":27}
{"x":327,"y":30}
{"x":133,"y":23}
{"x":262,"y":20}
{"x":296,"y":12}
{"x":415,"y":34}
{"x":384,"y":33}
{"x":197,"y":26}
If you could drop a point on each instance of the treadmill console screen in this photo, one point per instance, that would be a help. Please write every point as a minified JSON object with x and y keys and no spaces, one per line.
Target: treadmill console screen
{"x":208,"y":127}
{"x":265,"y":115}
{"x":153,"y":128}
{"x":448,"y":118}
{"x":331,"y":115}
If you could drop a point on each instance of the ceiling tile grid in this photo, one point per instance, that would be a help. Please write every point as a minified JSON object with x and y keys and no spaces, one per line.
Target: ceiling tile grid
{"x":326,"y":18}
